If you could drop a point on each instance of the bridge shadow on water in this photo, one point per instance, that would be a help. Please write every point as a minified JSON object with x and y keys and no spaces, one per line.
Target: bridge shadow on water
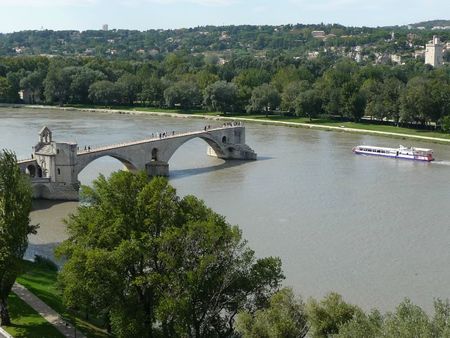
{"x":181,"y":173}
{"x":42,"y":204}
{"x":46,"y":250}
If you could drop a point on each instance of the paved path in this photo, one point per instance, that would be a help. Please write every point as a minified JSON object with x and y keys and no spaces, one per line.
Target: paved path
{"x":4,"y":334}
{"x":45,"y":311}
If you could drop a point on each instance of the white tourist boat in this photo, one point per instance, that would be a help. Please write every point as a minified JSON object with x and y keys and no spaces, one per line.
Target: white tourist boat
{"x":418,"y":154}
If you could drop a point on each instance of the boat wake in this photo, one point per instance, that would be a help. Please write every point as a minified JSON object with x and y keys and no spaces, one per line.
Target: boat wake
{"x":442,"y":162}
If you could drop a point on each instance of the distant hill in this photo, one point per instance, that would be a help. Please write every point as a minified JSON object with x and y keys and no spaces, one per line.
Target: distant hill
{"x":432,"y":23}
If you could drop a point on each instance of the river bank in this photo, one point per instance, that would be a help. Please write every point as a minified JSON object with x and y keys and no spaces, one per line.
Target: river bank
{"x":343,"y":126}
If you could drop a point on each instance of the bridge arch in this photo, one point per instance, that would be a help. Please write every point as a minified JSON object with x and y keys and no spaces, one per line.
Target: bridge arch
{"x":86,"y":159}
{"x":34,"y":171}
{"x":41,"y":191}
{"x":212,"y":142}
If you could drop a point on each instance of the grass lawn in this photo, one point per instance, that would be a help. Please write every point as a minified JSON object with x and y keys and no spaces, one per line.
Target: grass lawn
{"x":41,"y":280}
{"x":28,"y":323}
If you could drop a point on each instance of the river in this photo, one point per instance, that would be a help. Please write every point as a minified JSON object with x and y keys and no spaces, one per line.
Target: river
{"x":375,"y":230}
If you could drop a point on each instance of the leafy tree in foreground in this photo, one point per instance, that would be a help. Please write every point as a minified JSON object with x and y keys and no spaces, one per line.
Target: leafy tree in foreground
{"x":15,"y":207}
{"x":285,"y":317}
{"x":157,"y":265}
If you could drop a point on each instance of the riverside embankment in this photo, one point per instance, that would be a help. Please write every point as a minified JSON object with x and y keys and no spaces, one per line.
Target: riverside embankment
{"x":341,"y":128}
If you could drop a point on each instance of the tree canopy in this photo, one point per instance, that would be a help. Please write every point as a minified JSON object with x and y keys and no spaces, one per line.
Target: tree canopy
{"x":15,"y":207}
{"x":155,"y":264}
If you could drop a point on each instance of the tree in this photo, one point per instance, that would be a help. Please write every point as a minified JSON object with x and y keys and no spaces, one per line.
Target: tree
{"x":129,"y":86}
{"x":6,"y":94}
{"x":362,"y":326}
{"x":153,"y":91}
{"x":185,"y":94}
{"x":221,"y":96}
{"x":264,"y":98}
{"x":155,"y":264}
{"x":415,"y":102}
{"x":33,"y":82}
{"x":15,"y":207}
{"x":408,"y":320}
{"x":104,"y":92}
{"x":329,"y":314}
{"x":290,"y":94}
{"x":285,"y":317}
{"x":308,"y":104}
{"x":58,"y":82}
{"x":81,"y":81}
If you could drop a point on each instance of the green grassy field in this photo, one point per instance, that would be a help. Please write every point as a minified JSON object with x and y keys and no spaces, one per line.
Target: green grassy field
{"x":41,"y":280}
{"x":28,"y":323}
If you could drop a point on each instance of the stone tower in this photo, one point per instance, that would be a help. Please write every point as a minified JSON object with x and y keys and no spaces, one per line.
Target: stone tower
{"x":433,"y":53}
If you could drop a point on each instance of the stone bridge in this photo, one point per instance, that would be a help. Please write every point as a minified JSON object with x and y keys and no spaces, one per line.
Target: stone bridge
{"x":54,"y":166}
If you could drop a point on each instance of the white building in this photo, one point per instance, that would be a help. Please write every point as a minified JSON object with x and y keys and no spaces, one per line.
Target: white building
{"x":433,"y":52}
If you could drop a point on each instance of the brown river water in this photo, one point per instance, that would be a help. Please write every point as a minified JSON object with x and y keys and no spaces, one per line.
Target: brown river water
{"x":374,"y":229}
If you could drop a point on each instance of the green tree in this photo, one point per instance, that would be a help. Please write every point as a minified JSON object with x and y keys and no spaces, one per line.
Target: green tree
{"x":328,"y":315}
{"x":153,"y":91}
{"x":58,"y":82}
{"x":362,"y":326}
{"x":157,"y":265}
{"x":81,"y":81}
{"x":129,"y":86}
{"x":264,"y":98}
{"x":6,"y":94}
{"x":285,"y":317}
{"x":416,"y":102}
{"x":186,"y":95}
{"x":408,"y":320}
{"x":308,"y":103}
{"x":290,"y":94}
{"x":15,"y":207}
{"x":103,"y":92}
{"x":33,"y":82}
{"x":221,"y":96}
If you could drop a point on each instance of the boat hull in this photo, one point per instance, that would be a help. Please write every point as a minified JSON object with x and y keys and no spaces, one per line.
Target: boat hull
{"x":400,"y":156}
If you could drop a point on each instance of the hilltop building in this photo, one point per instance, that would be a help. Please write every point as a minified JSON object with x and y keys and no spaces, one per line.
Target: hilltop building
{"x":105,"y":27}
{"x":433,"y":52}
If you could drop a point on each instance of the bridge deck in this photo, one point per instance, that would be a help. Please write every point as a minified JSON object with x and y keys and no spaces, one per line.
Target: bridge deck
{"x":153,"y":139}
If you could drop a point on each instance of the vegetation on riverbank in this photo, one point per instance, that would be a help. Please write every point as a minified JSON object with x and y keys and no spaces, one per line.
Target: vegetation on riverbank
{"x":285,"y":315}
{"x":41,"y":279}
{"x":26,"y":322}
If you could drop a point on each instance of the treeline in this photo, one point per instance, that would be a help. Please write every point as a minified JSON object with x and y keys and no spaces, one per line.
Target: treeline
{"x":411,"y":93}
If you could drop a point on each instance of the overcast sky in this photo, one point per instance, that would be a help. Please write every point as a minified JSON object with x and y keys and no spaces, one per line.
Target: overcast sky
{"x":16,"y":15}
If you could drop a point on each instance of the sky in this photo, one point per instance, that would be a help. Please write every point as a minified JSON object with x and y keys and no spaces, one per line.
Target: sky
{"x":17,"y":15}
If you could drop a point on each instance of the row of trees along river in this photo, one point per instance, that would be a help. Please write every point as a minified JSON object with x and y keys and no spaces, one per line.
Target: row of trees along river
{"x":147,"y":263}
{"x":413,"y":93}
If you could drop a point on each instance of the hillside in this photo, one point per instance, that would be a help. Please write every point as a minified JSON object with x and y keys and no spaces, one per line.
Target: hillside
{"x":432,"y":23}
{"x":220,"y":40}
